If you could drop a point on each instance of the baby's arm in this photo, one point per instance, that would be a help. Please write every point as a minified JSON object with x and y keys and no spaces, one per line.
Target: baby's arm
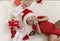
{"x":45,"y":18}
{"x":38,"y":31}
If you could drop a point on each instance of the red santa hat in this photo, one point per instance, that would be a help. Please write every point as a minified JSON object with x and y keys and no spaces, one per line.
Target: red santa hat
{"x":26,"y":14}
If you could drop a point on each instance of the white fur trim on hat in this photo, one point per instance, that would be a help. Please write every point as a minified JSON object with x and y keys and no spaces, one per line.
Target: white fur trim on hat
{"x":26,"y":16}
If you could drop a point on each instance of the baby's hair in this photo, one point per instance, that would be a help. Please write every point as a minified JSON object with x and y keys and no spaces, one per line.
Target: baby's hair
{"x":27,"y":22}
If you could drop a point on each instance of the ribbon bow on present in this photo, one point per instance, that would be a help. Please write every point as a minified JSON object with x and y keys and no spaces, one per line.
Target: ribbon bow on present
{"x":13,"y":23}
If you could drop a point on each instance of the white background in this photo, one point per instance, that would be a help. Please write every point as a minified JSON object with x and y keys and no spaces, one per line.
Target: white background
{"x":48,"y":8}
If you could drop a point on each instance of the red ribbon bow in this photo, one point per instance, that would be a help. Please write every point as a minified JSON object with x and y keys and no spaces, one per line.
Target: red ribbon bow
{"x":13,"y":23}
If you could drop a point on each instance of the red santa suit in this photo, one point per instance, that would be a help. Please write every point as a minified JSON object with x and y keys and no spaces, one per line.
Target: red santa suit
{"x":47,"y":27}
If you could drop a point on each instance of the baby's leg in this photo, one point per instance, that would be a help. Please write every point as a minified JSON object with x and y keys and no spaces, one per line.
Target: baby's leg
{"x":53,"y":38}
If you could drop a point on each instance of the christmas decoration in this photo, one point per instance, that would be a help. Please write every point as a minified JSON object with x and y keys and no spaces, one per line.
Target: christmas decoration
{"x":17,"y":2}
{"x":39,"y":1}
{"x":19,"y":33}
{"x":13,"y":24}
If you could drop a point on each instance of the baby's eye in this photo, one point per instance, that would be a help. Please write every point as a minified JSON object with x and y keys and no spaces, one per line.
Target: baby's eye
{"x":34,"y":16}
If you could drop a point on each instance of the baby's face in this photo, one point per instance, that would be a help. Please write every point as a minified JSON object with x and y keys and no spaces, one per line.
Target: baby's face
{"x":30,"y":20}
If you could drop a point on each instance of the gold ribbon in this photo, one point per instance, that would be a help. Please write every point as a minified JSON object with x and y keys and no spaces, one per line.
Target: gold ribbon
{"x":12,"y":17}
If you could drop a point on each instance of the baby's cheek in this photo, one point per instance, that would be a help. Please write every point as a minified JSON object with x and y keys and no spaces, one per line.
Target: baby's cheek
{"x":30,"y":22}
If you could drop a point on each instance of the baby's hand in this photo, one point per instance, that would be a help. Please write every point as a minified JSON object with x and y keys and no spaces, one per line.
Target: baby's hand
{"x":35,"y":19}
{"x":35,"y":22}
{"x":37,"y":27}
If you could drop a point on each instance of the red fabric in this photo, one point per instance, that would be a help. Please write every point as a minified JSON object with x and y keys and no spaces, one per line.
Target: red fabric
{"x":12,"y":24}
{"x":17,"y":2}
{"x":39,"y":1}
{"x":13,"y":32}
{"x":25,"y":37}
{"x":47,"y":28}
{"x":25,"y":12}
